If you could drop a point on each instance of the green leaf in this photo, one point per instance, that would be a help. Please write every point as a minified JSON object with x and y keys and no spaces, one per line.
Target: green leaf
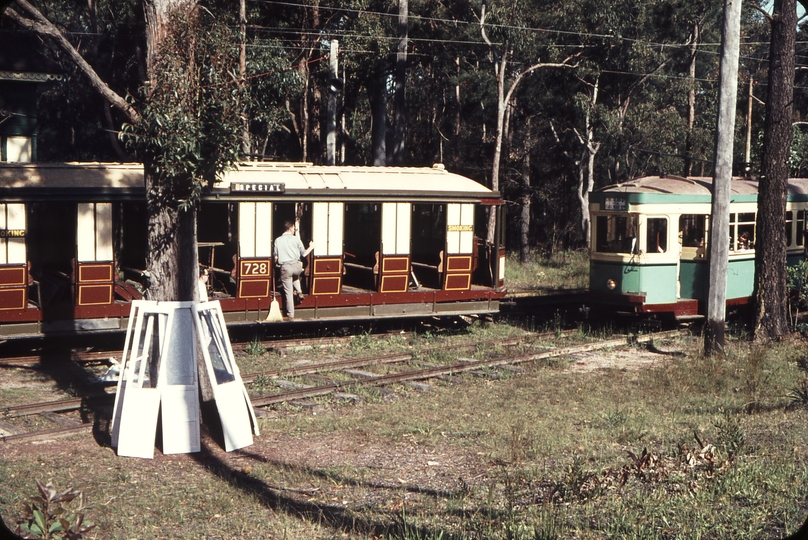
{"x":39,"y":520}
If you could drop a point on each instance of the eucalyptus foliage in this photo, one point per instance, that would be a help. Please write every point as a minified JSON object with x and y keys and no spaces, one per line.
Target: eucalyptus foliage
{"x":191,"y":115}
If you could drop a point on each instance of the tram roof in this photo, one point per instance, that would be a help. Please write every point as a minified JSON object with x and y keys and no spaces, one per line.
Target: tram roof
{"x":666,"y":189}
{"x":307,"y":180}
{"x":97,"y":181}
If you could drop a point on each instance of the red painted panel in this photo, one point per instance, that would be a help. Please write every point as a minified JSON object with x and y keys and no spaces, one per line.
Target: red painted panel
{"x":395,"y":264}
{"x":458,"y":282}
{"x":253,"y":288}
{"x":394,"y":284}
{"x":458,"y":263}
{"x":13,"y":298}
{"x":327,"y":266}
{"x":95,"y":272}
{"x":326,"y":285}
{"x":90,"y":295}
{"x":12,"y":276}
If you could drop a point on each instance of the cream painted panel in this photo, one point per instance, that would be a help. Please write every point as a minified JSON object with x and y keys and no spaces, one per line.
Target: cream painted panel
{"x":3,"y":241}
{"x":452,"y":220}
{"x":85,"y":235}
{"x":13,"y":251}
{"x":246,"y":229}
{"x":19,"y":149}
{"x":336,"y":217}
{"x":263,"y":229}
{"x":403,"y":228}
{"x":103,"y":232}
{"x":320,"y":226}
{"x":467,"y":222}
{"x":389,"y":221}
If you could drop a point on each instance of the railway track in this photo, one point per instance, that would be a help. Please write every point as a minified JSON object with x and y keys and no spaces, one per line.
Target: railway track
{"x":50,"y":419}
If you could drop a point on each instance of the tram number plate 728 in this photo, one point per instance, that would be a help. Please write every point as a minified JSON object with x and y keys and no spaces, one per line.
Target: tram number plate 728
{"x":255,"y":268}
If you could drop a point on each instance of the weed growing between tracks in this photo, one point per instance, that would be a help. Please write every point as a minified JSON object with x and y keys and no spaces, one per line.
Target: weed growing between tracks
{"x":665,"y":447}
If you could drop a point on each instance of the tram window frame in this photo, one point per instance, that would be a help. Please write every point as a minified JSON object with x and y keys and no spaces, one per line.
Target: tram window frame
{"x":694,"y":235}
{"x":617,"y":238}
{"x":740,"y":223}
{"x":656,"y":240}
{"x":795,"y":228}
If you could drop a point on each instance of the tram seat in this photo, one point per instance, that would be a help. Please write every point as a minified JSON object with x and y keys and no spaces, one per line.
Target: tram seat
{"x":368,"y":271}
{"x":429,"y":272}
{"x":126,"y":290}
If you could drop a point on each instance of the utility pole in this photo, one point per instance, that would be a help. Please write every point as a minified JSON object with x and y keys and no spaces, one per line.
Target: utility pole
{"x":747,"y":165}
{"x":722,"y":178}
{"x":400,"y":103}
{"x":333,"y":89}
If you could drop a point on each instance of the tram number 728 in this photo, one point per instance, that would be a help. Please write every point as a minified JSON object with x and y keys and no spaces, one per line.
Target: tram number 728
{"x":255,"y":268}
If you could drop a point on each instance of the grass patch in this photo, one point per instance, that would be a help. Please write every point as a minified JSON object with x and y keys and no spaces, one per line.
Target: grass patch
{"x":689,"y":447}
{"x":559,"y":270}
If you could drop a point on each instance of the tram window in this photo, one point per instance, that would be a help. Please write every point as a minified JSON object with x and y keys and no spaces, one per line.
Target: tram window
{"x":742,"y":231}
{"x":657,"y":239}
{"x":693,"y":235}
{"x":616,"y":234}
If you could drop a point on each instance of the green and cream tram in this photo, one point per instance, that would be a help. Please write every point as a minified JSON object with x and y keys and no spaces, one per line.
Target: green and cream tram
{"x":649,"y":242}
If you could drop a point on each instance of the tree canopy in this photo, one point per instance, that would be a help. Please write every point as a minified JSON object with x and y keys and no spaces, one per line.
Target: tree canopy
{"x":641,"y":97}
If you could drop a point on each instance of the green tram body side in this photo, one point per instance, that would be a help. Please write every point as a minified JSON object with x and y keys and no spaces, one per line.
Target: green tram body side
{"x":645,"y":281}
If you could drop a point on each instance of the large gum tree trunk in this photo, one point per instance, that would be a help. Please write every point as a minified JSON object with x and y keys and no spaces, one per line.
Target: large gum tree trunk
{"x":172,"y":260}
{"x":771,"y":318}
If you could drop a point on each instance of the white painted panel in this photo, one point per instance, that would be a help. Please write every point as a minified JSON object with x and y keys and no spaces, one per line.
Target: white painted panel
{"x":3,"y":241}
{"x":180,"y":415}
{"x":320,"y":225}
{"x":14,"y":248}
{"x":235,"y":410}
{"x":178,"y":383}
{"x":403,"y":229}
{"x":234,"y":415}
{"x":85,"y":235}
{"x":263,"y":229}
{"x":19,"y":149}
{"x":467,"y":236}
{"x":336,"y":217}
{"x":103,"y":232}
{"x":246,"y":229}
{"x":389,"y":223}
{"x":452,"y":220}
{"x":139,"y":422}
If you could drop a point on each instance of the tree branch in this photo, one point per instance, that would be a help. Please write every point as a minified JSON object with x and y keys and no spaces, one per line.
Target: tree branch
{"x":37,"y":22}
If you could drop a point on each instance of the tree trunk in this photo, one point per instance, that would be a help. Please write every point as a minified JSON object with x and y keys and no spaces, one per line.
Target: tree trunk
{"x":172,"y":258}
{"x":377,"y":88}
{"x":771,"y":318}
{"x":524,"y":204}
{"x":691,"y":100}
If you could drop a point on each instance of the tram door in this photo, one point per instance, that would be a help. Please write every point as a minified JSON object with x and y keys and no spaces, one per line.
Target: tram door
{"x":254,"y":264}
{"x":13,"y":262}
{"x":459,"y":246}
{"x":394,"y":266}
{"x":328,"y":220}
{"x":94,"y":270}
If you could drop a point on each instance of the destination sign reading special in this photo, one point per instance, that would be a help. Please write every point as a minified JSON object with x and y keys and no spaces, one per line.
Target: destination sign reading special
{"x":615,"y":203}
{"x":258,"y":187}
